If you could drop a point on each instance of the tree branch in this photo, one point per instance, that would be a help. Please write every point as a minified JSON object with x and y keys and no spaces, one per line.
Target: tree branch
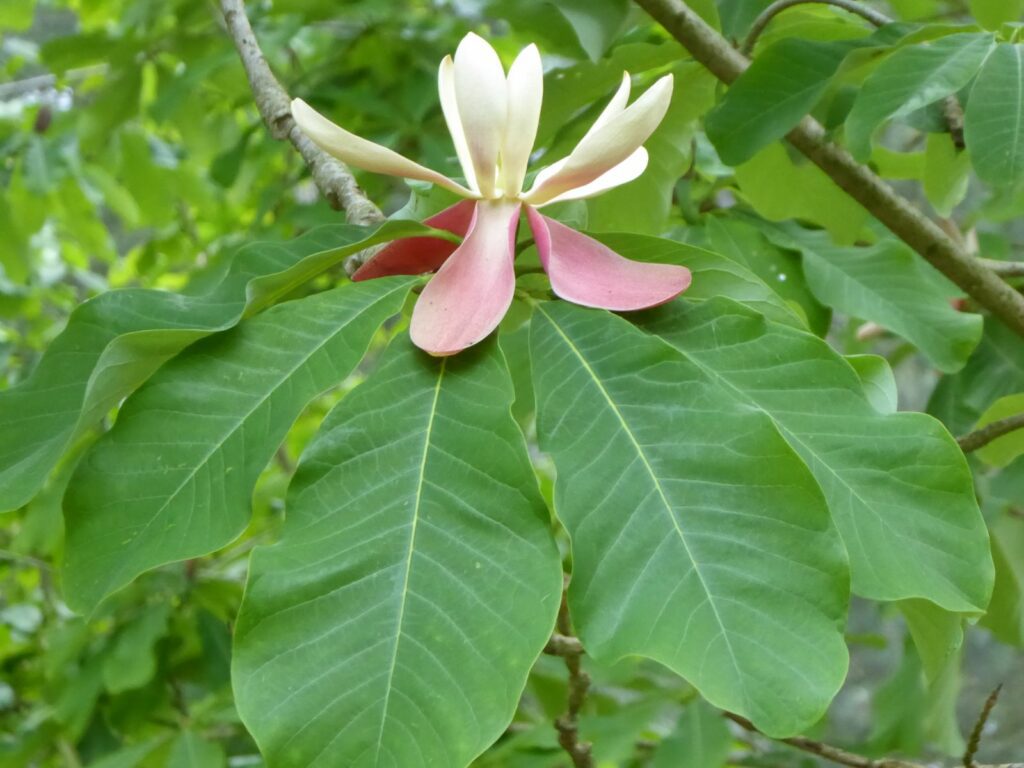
{"x":332,"y":177}
{"x":773,"y":10}
{"x":1005,"y":268}
{"x":972,"y":441}
{"x":579,"y":683}
{"x":904,"y":220}
{"x":841,"y":756}
{"x":975,"y":739}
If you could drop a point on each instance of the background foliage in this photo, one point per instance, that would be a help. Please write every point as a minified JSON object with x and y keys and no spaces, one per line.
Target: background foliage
{"x":134,"y":158}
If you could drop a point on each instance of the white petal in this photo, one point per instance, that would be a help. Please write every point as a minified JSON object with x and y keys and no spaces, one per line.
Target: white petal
{"x":446,"y":91}
{"x":614,"y":109}
{"x":623,"y":173}
{"x":525,"y":94}
{"x":612,"y":143}
{"x":364,"y":154}
{"x":481,"y":94}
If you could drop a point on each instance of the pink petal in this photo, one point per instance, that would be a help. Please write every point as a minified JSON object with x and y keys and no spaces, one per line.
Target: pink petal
{"x":416,"y":255}
{"x":586,"y":272}
{"x":470,"y":294}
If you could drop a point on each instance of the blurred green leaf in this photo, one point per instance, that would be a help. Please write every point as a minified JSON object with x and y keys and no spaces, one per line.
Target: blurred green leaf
{"x":994,"y":118}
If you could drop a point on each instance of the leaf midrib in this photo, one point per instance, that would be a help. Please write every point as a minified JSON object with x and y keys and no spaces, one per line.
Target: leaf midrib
{"x":657,"y":484}
{"x":420,"y":481}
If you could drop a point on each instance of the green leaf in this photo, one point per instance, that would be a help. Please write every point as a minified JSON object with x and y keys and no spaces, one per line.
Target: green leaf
{"x":701,"y":740}
{"x":174,"y":477}
{"x":115,"y":341}
{"x":891,"y":285}
{"x":131,"y":662}
{"x":190,"y":750}
{"x":416,"y":582}
{"x":782,"y":84}
{"x":937,"y":634}
{"x":808,"y":193}
{"x":657,"y":506}
{"x":1005,"y":449}
{"x":878,"y":380}
{"x":946,"y":173}
{"x":127,"y":757}
{"x":911,"y":78}
{"x":897,"y":485}
{"x":779,"y":269}
{"x":595,"y":22}
{"x":714,"y":274}
{"x":996,"y":369}
{"x":994,"y":118}
{"x":992,"y":14}
{"x":1005,"y":615}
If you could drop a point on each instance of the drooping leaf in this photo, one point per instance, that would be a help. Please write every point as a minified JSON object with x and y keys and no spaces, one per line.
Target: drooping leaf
{"x":657,"y":504}
{"x":891,"y":285}
{"x":596,"y":22}
{"x":994,"y":118}
{"x":897,"y":485}
{"x":701,"y":740}
{"x":780,"y":87}
{"x":878,"y":380}
{"x":417,"y":580}
{"x":946,"y":173}
{"x":911,"y":78}
{"x":174,"y":477}
{"x":996,"y":369}
{"x":1005,"y":615}
{"x":994,"y":13}
{"x":937,"y":634}
{"x":1005,"y":449}
{"x":113,"y":343}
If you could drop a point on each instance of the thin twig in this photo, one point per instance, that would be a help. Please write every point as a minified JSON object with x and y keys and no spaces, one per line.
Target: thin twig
{"x":979,"y":438}
{"x":579,"y":682}
{"x":897,"y":213}
{"x":773,"y":10}
{"x":1005,"y":268}
{"x":331,"y":176}
{"x":975,"y":740}
{"x":841,"y":756}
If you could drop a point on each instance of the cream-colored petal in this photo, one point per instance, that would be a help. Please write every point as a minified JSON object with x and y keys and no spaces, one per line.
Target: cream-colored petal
{"x":525,"y":94}
{"x":611,"y":144}
{"x":446,"y":92}
{"x":481,"y":94}
{"x":614,"y":108}
{"x":623,"y":173}
{"x":364,"y":154}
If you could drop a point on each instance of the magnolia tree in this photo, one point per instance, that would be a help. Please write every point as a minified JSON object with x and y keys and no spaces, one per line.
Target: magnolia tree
{"x":609,"y":443}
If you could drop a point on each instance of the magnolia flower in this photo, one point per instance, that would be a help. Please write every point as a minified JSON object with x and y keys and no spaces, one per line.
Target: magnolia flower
{"x":493,"y":123}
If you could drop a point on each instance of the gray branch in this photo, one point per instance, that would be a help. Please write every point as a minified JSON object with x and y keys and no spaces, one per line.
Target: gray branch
{"x":331,"y":176}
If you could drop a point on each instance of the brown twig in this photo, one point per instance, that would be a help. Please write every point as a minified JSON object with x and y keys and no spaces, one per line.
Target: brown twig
{"x":975,"y":740}
{"x":897,"y":213}
{"x":563,"y":645}
{"x":579,"y":682}
{"x":1005,"y":268}
{"x":773,"y":10}
{"x":331,"y":176}
{"x":979,"y":438}
{"x":841,"y":756}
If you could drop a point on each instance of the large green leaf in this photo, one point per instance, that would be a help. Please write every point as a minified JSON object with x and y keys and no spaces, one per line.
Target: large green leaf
{"x":889,"y":284}
{"x":994,"y":118}
{"x":1005,"y":616}
{"x":701,"y":740}
{"x":115,"y":341}
{"x":782,"y":84}
{"x":417,"y":580}
{"x":897,"y":485}
{"x":699,"y":538}
{"x":173,"y":478}
{"x":912,"y":78}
